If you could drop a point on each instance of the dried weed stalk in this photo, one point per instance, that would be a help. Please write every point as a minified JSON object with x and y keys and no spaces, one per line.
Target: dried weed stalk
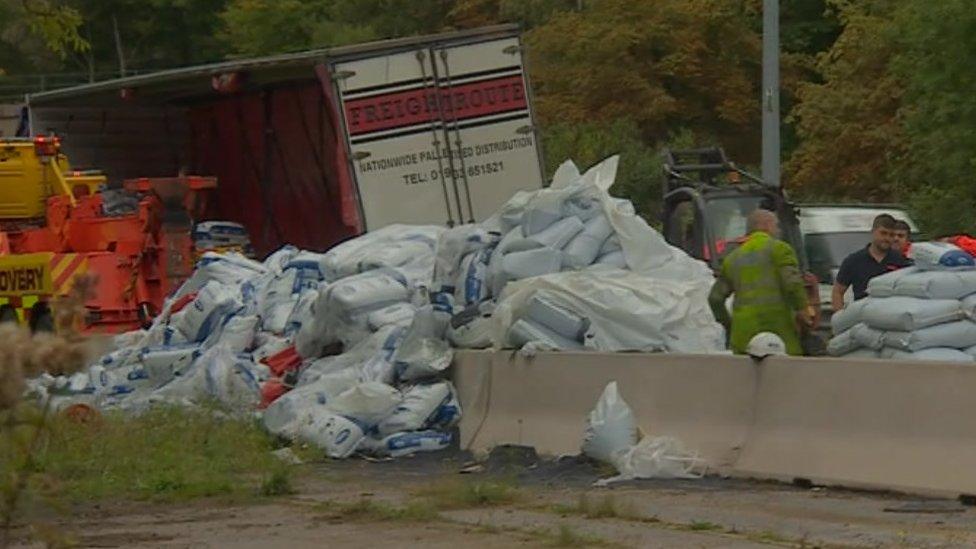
{"x":22,"y":356}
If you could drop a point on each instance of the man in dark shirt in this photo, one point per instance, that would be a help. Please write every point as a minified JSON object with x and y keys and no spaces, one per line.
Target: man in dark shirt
{"x":877,"y":258}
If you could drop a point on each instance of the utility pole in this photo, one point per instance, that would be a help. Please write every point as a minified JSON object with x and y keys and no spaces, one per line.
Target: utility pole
{"x":770,"y":93}
{"x":118,"y":45}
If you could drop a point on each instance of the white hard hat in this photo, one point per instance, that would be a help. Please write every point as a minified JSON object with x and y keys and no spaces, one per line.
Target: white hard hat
{"x":765,"y":344}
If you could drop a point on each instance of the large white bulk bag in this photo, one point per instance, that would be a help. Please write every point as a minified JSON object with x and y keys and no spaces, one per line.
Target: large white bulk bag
{"x":585,"y":247}
{"x":284,"y":415}
{"x":519,"y":265}
{"x":907,"y":314}
{"x":940,"y":354}
{"x":844,"y":319}
{"x":558,"y":235}
{"x":237,"y":333}
{"x":564,"y":322}
{"x":934,"y":256}
{"x":524,"y":331}
{"x":958,"y":334}
{"x":884,"y":285}
{"x":937,"y":284}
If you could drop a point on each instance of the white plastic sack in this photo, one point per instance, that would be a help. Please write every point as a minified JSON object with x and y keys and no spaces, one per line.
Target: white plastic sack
{"x":405,"y":444}
{"x":862,"y":353}
{"x":381,"y":365}
{"x":842,"y":344}
{"x":938,"y":354}
{"x":519,"y":265}
{"x":610,"y":429}
{"x":472,"y":285}
{"x":337,"y":435}
{"x":231,"y":380}
{"x":868,"y":337}
{"x":626,"y":310}
{"x":230,"y":269}
{"x":524,"y":332}
{"x":907,"y":314}
{"x":931,"y":256}
{"x":937,"y":284}
{"x":213,"y":302}
{"x":371,"y":290}
{"x":844,"y":319}
{"x":884,"y":285}
{"x":958,"y":334}
{"x":543,"y":311}
{"x":585,"y":247}
{"x":161,"y":364}
{"x":559,"y":234}
{"x":454,"y":244}
{"x":301,"y":313}
{"x":283,"y":416}
{"x":419,"y":406}
{"x":368,"y":403}
{"x":278,"y":301}
{"x":400,"y":314}
{"x":613,"y":259}
{"x":656,"y":457}
{"x":237,"y":333}
{"x":391,"y":246}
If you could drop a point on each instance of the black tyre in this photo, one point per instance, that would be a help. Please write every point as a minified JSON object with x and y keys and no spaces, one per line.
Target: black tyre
{"x":42,"y":319}
{"x":8,"y":314}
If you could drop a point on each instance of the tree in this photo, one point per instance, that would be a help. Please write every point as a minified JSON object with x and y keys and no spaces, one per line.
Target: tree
{"x":639,"y":177}
{"x":663,"y":65}
{"x":261,"y":27}
{"x":848,"y":123}
{"x":935,"y":43}
{"x":36,"y":33}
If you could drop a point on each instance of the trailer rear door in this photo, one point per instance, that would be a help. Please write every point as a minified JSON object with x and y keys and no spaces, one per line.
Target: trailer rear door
{"x":441,"y":133}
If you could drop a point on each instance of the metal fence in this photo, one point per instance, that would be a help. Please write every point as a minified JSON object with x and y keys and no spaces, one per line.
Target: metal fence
{"x":13,"y":87}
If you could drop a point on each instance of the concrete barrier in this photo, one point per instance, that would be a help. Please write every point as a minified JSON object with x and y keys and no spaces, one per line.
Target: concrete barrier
{"x":906,"y":426}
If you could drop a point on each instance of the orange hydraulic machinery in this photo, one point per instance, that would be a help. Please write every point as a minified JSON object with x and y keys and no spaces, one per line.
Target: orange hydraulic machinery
{"x":115,"y":236}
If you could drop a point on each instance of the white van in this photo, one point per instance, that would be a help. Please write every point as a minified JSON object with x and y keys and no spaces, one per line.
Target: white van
{"x":832,"y":232}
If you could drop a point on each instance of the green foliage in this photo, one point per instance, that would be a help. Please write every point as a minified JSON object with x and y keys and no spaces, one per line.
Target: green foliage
{"x":37,"y":33}
{"x":935,"y":43}
{"x":639,"y":176}
{"x":167,"y":454}
{"x":661,"y":65}
{"x":848,"y":124}
{"x":466,"y":494}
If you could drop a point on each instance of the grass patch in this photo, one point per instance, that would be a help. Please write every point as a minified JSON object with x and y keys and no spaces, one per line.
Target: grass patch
{"x":703,"y":526}
{"x":164,"y":454}
{"x":457,"y":494}
{"x":566,"y":536}
{"x":368,"y":510}
{"x":602,"y":507}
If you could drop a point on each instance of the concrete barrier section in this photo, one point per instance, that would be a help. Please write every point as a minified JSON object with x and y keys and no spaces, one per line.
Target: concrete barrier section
{"x":905,"y":426}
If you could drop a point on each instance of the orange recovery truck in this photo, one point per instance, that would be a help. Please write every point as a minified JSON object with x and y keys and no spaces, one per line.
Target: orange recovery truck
{"x":57,"y":224}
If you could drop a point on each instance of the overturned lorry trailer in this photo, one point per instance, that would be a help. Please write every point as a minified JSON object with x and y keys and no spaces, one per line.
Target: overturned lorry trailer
{"x":313,"y":147}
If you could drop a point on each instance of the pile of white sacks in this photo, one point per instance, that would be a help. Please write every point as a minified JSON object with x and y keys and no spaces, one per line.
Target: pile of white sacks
{"x":925,"y":312}
{"x":567,"y":267}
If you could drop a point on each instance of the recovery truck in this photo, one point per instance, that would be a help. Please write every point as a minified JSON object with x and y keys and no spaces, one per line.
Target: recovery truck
{"x":57,"y":224}
{"x":707,"y":199}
